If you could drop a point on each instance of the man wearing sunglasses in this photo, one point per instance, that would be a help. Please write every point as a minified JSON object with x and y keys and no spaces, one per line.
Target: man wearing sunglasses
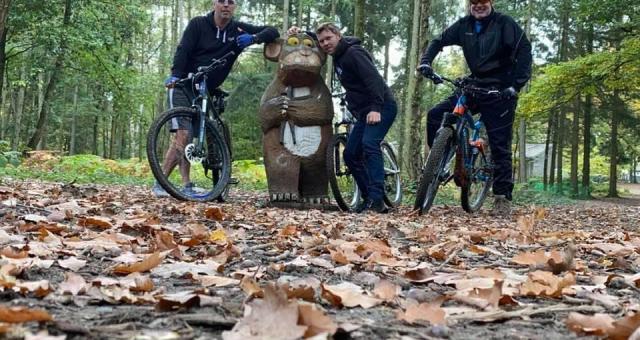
{"x":498,"y":54}
{"x":205,"y":38}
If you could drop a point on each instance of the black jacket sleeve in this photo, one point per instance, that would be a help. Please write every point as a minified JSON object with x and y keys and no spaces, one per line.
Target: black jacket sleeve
{"x":517,"y":41}
{"x":263,"y":34}
{"x":361,"y":63}
{"x":187,"y":43}
{"x":451,"y":36}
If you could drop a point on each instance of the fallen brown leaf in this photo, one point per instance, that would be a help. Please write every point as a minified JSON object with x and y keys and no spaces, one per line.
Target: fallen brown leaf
{"x":431,"y":312}
{"x":72,"y":263}
{"x":96,"y":221}
{"x":273,"y":317}
{"x":348,"y":295}
{"x":316,"y":320}
{"x":214,"y":213}
{"x":22,"y":314}
{"x":74,"y":284}
{"x":386,"y":290}
{"x":147,"y":264}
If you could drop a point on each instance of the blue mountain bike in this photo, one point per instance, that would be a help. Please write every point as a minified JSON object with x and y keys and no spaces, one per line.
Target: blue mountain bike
{"x":463,"y":139}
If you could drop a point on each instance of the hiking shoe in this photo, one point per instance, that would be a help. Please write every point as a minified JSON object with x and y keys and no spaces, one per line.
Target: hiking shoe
{"x":378,"y":207}
{"x":190,"y":189}
{"x":361,"y":206}
{"x":501,"y":206}
{"x":158,"y":191}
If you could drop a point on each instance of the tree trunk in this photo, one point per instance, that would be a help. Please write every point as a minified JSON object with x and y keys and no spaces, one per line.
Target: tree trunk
{"x":522,"y":154}
{"x":57,"y":69}
{"x":575,"y":140}
{"x":385,"y":73}
{"x":300,"y":13}
{"x":588,"y":107}
{"x":358,"y":19}
{"x":4,"y":15}
{"x":545,"y":171}
{"x":617,"y":105}
{"x":74,"y":115}
{"x":329,"y":75}
{"x":19,"y":107}
{"x":285,"y":16}
{"x":560,"y":156}
{"x":411,"y":89}
{"x":554,"y":150}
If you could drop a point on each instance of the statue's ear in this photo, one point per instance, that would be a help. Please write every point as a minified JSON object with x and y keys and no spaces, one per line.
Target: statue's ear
{"x":272,"y":50}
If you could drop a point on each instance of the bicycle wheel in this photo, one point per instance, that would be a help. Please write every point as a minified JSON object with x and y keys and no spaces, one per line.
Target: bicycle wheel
{"x":185,"y":172}
{"x":392,"y":181}
{"x":478,"y":180}
{"x":430,"y":180}
{"x":343,"y":185}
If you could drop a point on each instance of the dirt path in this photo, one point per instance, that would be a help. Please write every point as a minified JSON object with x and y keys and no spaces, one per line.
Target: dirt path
{"x":202,"y":265}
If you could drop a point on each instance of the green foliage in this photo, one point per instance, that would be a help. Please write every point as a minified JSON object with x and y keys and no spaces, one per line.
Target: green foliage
{"x":8,"y":157}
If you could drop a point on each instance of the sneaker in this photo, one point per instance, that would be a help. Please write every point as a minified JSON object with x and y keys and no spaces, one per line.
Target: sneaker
{"x":378,"y":207}
{"x":158,"y":191}
{"x":190,"y":189}
{"x":501,"y":206}
{"x":361,"y":206}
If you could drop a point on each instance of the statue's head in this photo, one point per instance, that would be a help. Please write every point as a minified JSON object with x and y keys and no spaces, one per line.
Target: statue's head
{"x":299,"y":57}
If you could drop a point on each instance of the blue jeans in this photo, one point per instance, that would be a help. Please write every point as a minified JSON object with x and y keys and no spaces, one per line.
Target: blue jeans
{"x":363,"y":155}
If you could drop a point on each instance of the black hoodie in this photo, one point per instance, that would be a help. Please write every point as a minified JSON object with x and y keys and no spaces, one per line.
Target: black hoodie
{"x":203,"y":41}
{"x":365,"y":88}
{"x":500,"y":52}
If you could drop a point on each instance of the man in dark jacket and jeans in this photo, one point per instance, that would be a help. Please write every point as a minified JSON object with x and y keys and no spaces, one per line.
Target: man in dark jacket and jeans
{"x":370,"y":101}
{"x":499,"y":55}
{"x":205,"y":38}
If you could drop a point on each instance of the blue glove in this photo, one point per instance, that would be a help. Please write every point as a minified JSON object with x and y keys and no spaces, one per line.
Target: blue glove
{"x":509,"y":93}
{"x":169,"y":82}
{"x":244,"y":40}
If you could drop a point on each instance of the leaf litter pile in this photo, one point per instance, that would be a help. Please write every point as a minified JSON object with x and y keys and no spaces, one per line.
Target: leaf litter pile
{"x":116,"y":263}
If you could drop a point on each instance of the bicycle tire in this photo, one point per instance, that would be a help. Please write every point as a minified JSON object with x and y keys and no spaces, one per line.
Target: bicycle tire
{"x":392,"y":198}
{"x":214,"y":141}
{"x":483,"y":169}
{"x":338,"y":175}
{"x":430,"y":179}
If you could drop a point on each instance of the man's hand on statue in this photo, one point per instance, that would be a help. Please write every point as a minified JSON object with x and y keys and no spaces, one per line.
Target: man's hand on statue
{"x":373,"y":118}
{"x":293,"y":30}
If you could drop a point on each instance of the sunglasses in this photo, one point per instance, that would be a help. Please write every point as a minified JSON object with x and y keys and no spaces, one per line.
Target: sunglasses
{"x":475,"y":2}
{"x":227,"y":2}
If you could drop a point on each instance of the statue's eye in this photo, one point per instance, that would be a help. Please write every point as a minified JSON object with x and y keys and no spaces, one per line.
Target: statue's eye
{"x":308,"y":42}
{"x":293,"y":41}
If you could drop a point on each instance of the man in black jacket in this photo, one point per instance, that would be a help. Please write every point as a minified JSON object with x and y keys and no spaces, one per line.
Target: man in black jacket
{"x":499,"y":55}
{"x":370,"y":100}
{"x":205,"y":38}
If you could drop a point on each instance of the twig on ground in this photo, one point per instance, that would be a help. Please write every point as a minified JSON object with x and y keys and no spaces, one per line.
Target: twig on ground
{"x":528,"y":311}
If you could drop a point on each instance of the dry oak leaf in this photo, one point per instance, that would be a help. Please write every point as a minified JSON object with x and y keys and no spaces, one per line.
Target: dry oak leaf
{"x":214,"y":213}
{"x":164,"y":241}
{"x":22,"y":314}
{"x":186,"y":300}
{"x":348,"y":294}
{"x":147,"y":264}
{"x":137,"y":282}
{"x":312,"y":316}
{"x":625,"y":327}
{"x":251,"y":287}
{"x":273,"y":317}
{"x":218,"y":236}
{"x":13,"y":253}
{"x":367,"y":248}
{"x":38,"y":288}
{"x":96,"y":221}
{"x":180,"y":269}
{"x":215,"y":281}
{"x":419,"y":274}
{"x":598,"y":324}
{"x":542,"y":283}
{"x":300,"y":288}
{"x":482,"y":298}
{"x":289,"y":230}
{"x":73,"y":284}
{"x":386,"y":290}
{"x":72,"y":263}
{"x":431,"y":312}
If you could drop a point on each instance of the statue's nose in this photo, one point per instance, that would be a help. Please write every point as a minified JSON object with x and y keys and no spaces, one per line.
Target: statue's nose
{"x":305,"y":51}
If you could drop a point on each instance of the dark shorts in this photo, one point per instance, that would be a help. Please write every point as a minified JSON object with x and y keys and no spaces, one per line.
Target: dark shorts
{"x":176,"y":97}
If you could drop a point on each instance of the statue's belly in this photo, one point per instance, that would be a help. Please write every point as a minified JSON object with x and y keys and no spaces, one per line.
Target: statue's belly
{"x":307,"y":139}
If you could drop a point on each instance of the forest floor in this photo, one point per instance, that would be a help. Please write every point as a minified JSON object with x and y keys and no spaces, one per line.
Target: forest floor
{"x":113,"y":262}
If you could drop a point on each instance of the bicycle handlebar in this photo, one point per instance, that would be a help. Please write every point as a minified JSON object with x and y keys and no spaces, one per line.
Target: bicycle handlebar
{"x":215,"y":63}
{"x":463,"y":84}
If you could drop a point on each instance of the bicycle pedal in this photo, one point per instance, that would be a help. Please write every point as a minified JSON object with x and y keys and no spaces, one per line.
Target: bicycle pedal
{"x":233,"y":181}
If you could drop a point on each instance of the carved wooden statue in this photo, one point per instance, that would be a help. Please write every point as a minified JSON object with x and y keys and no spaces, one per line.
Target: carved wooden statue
{"x":295,"y":114}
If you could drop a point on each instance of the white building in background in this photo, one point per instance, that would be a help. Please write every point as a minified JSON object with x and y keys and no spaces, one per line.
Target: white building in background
{"x":535,"y":159}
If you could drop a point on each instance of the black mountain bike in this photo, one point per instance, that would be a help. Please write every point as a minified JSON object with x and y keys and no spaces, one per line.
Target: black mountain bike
{"x":205,"y":156}
{"x":343,"y":185}
{"x":463,"y":138}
